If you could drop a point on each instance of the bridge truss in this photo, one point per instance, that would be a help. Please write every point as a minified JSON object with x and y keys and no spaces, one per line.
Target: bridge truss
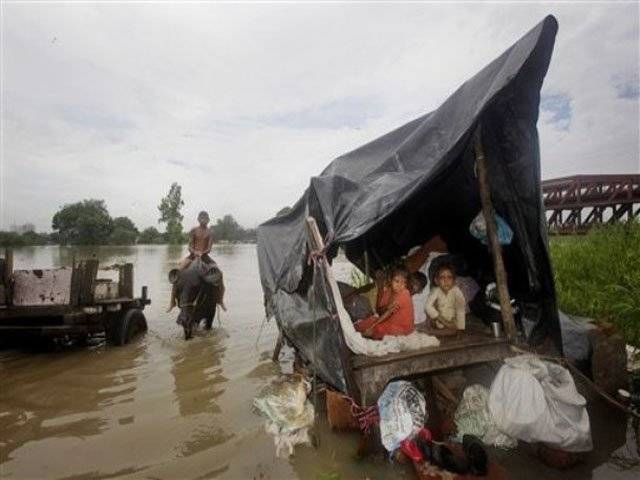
{"x":575,"y":204}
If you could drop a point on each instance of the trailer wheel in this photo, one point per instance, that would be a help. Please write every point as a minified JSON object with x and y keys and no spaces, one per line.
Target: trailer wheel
{"x":124,"y":328}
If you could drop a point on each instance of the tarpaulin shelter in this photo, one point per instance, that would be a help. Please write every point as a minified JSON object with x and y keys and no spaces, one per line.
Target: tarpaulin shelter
{"x":419,"y":180}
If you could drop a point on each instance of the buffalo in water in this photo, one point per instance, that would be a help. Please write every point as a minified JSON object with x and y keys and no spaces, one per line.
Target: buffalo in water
{"x":197,"y":290}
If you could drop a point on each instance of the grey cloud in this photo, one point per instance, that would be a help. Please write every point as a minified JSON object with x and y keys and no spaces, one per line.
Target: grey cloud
{"x":627,"y":85}
{"x":241,"y":104}
{"x":559,"y":107}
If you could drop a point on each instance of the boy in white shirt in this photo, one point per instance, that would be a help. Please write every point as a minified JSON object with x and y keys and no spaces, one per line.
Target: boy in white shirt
{"x":445,"y":306}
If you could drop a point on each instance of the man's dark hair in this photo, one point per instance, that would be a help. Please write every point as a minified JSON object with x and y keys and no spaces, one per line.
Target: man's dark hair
{"x":203,"y":214}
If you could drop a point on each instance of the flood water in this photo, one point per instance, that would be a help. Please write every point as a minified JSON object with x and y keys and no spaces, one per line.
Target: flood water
{"x":163,"y":408}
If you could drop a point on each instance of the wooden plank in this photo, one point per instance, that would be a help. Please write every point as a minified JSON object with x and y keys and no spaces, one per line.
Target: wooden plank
{"x":496,"y":250}
{"x":12,"y":313}
{"x":373,"y":378}
{"x":446,"y":345}
{"x":126,"y":280}
{"x":89,"y":271}
{"x":8,"y":267}
{"x":316,"y":244}
{"x":76,"y":282}
{"x":42,"y":287}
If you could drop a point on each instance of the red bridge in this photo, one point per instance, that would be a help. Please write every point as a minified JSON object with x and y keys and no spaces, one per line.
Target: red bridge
{"x":575,"y":204}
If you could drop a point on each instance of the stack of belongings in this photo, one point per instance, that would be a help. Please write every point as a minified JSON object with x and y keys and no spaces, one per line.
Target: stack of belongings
{"x":402,"y":410}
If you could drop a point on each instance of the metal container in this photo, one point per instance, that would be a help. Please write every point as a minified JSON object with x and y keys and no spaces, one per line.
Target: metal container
{"x":496,"y":329}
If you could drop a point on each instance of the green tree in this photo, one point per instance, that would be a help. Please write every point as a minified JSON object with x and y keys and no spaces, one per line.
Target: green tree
{"x":226,"y":228}
{"x":11,"y":239}
{"x":33,"y":238}
{"x":169,"y":208}
{"x":86,"y":223}
{"x":150,"y":235}
{"x":124,"y":232}
{"x":250,"y":235}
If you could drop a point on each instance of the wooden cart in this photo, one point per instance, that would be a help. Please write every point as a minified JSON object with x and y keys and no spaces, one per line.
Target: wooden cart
{"x":71,"y":302}
{"x":366,"y":377}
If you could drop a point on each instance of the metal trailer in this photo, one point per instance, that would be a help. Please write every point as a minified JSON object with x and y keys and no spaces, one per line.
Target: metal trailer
{"x":71,"y":302}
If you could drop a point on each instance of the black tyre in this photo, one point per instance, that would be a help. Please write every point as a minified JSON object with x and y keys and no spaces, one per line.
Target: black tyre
{"x":125,"y":327}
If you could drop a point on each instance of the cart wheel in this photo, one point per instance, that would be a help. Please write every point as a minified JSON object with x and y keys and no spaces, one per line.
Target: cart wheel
{"x":126,"y":327}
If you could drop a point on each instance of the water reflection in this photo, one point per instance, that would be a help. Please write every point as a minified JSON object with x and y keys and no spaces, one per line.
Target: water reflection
{"x":58,"y":395}
{"x":197,"y":374}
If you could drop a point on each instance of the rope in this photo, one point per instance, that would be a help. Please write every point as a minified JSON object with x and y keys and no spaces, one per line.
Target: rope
{"x":367,"y":417}
{"x":316,"y":256}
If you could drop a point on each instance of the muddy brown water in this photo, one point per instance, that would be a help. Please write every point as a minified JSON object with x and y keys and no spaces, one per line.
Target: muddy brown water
{"x":163,"y":408}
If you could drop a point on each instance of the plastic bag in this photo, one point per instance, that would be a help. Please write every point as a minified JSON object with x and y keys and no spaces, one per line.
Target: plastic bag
{"x":289,"y":413}
{"x":473,"y":417}
{"x":402,"y":411}
{"x":537,"y":401}
{"x":478,"y":229}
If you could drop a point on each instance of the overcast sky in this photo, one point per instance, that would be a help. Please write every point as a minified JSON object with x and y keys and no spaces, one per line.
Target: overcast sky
{"x":242,"y":103}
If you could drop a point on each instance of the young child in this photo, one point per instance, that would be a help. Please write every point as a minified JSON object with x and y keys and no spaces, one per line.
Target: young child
{"x":397,"y":318}
{"x":200,"y":243}
{"x":445,"y":306}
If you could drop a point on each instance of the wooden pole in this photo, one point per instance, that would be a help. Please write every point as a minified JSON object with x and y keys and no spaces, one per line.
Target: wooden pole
{"x":8,"y":267}
{"x":316,"y":243}
{"x":276,"y":351}
{"x":492,"y":234}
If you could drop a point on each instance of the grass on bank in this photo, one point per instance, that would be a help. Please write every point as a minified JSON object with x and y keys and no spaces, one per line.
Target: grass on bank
{"x":598,"y":276}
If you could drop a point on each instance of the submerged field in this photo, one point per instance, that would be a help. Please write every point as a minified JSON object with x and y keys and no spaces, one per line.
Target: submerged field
{"x":598,"y":276}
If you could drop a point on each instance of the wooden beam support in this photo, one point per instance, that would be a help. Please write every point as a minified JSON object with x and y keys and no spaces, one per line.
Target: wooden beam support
{"x":492,"y":234}
{"x":8,"y":267}
{"x":316,"y":244}
{"x":86,"y":281}
{"x":125,"y":280}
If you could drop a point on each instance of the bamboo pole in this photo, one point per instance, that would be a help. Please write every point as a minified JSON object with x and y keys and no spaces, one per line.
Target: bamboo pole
{"x":316,"y":243}
{"x":492,"y":234}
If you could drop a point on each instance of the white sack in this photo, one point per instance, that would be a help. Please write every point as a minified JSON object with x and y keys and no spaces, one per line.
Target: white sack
{"x":537,"y":401}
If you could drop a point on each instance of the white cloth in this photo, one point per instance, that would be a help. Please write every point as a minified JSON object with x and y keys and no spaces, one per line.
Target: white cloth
{"x":448,"y":305}
{"x":473,"y":417}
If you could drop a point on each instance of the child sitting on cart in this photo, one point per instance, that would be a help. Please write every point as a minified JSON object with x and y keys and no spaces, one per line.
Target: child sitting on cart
{"x":397,"y":317}
{"x":445,"y":306}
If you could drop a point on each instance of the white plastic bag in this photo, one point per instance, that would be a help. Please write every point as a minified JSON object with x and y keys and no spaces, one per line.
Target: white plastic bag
{"x":289,"y":413}
{"x":537,"y":401}
{"x":402,"y":410}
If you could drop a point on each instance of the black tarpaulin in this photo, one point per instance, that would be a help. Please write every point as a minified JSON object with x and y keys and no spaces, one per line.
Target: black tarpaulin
{"x":419,"y":180}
